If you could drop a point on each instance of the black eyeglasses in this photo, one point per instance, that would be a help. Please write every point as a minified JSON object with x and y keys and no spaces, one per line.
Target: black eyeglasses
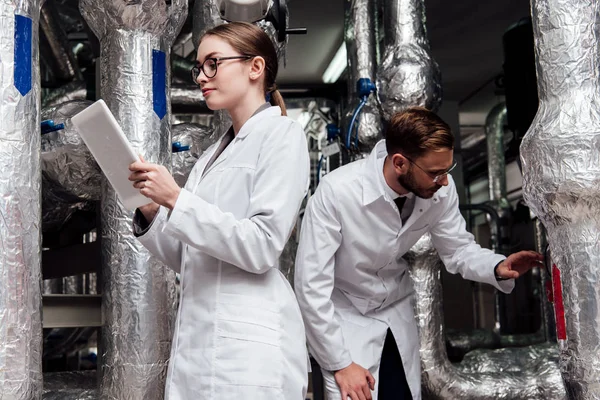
{"x":435,"y":178}
{"x":210,"y":65}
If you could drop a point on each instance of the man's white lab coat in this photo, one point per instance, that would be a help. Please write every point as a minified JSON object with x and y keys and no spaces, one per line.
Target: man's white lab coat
{"x":351,"y":280}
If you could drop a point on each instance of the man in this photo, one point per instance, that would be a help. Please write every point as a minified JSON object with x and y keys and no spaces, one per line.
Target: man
{"x":351,"y":280}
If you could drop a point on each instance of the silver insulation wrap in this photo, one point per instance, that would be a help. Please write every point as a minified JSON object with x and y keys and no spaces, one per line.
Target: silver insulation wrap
{"x":77,"y":385}
{"x":485,"y":375}
{"x":55,"y":45}
{"x":138,"y":291}
{"x":20,"y":202}
{"x":205,"y":16}
{"x":71,"y":178}
{"x":67,"y":165}
{"x":359,"y":36}
{"x":407,"y":75}
{"x":561,"y":169}
{"x":198,"y":138}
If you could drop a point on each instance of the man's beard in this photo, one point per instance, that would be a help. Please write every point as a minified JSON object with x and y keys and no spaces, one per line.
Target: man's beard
{"x":409,"y":183}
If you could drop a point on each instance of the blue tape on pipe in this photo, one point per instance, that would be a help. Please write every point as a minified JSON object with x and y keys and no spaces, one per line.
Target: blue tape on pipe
{"x":23,"y":50}
{"x":159,"y":83}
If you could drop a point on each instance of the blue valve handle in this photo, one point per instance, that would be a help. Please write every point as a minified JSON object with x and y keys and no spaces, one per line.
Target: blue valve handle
{"x":177,"y":147}
{"x":48,"y":126}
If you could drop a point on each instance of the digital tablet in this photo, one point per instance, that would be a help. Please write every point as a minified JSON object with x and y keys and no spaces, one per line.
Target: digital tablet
{"x":108,"y":144}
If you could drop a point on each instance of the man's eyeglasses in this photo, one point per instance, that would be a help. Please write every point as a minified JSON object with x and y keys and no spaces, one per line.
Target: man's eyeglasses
{"x":210,"y":65}
{"x":436,"y":178}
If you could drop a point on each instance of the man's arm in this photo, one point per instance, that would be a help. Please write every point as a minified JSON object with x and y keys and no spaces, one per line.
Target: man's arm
{"x":320,"y":238}
{"x":459,"y":251}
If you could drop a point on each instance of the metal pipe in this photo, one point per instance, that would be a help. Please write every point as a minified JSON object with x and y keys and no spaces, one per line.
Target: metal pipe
{"x":359,"y":36}
{"x":138,"y":291}
{"x":492,"y":375}
{"x":407,"y":75}
{"x":64,"y":66}
{"x":560,"y":165}
{"x":494,"y":130}
{"x":20,"y":202}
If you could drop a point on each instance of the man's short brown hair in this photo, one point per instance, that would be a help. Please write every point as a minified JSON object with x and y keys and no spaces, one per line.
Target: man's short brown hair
{"x":415,"y":131}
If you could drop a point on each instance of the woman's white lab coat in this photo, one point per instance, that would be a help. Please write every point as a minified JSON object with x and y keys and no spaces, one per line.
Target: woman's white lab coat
{"x":350,"y":278}
{"x":239,"y":332}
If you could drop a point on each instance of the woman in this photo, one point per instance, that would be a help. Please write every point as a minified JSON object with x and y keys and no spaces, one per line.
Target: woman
{"x":239,"y":332}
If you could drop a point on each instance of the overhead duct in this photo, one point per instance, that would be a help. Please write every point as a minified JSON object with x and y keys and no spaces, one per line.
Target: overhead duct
{"x":561,"y":177}
{"x":486,"y":376}
{"x":359,"y":36}
{"x":138,"y":291}
{"x":407,"y":75}
{"x":20,"y":203}
{"x":55,"y":44}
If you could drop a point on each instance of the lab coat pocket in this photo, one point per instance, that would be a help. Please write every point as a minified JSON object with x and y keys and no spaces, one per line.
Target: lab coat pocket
{"x":248,"y":335}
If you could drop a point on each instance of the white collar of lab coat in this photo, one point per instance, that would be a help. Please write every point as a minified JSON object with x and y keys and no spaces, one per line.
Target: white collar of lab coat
{"x":272,"y":111}
{"x":372,"y":182}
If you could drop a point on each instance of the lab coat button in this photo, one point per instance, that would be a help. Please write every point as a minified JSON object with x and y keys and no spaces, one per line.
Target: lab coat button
{"x":421,"y":210}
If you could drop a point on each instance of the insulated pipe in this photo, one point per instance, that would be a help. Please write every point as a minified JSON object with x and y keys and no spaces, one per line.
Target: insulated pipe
{"x":359,"y":36}
{"x":20,"y":202}
{"x":408,"y":75}
{"x":494,"y":131}
{"x":62,"y":60}
{"x":138,"y":291}
{"x":489,"y":376}
{"x":561,"y":174}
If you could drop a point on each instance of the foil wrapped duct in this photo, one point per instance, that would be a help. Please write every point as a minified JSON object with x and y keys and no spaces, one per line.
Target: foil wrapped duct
{"x":71,"y":178}
{"x":56,"y":51}
{"x":181,"y":95}
{"x":198,"y":138}
{"x":187,"y":95}
{"x":459,"y":343}
{"x":407,"y":75}
{"x":494,"y":131}
{"x":71,"y":91}
{"x":20,"y":202}
{"x":138,"y":301}
{"x":443,"y":380}
{"x":76,"y":385}
{"x":67,"y":164}
{"x":561,"y":168}
{"x":359,"y":35}
{"x":205,"y":16}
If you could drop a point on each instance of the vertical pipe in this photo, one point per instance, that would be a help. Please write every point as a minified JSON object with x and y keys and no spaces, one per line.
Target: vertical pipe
{"x":138,"y":291}
{"x":561,"y":167}
{"x":20,"y":202}
{"x":408,"y":75}
{"x":359,"y":36}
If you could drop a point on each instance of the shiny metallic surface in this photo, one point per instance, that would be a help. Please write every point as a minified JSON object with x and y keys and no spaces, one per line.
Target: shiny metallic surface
{"x":359,"y":35}
{"x":67,"y":163}
{"x":483,"y":377}
{"x":187,"y":95}
{"x":71,"y":91}
{"x":138,"y":291}
{"x":71,"y":179}
{"x":205,"y":16}
{"x":198,"y":138}
{"x":56,"y":45}
{"x":561,"y":169}
{"x":76,"y":385}
{"x":407,"y":75}
{"x":20,"y":203}
{"x":494,"y":130}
